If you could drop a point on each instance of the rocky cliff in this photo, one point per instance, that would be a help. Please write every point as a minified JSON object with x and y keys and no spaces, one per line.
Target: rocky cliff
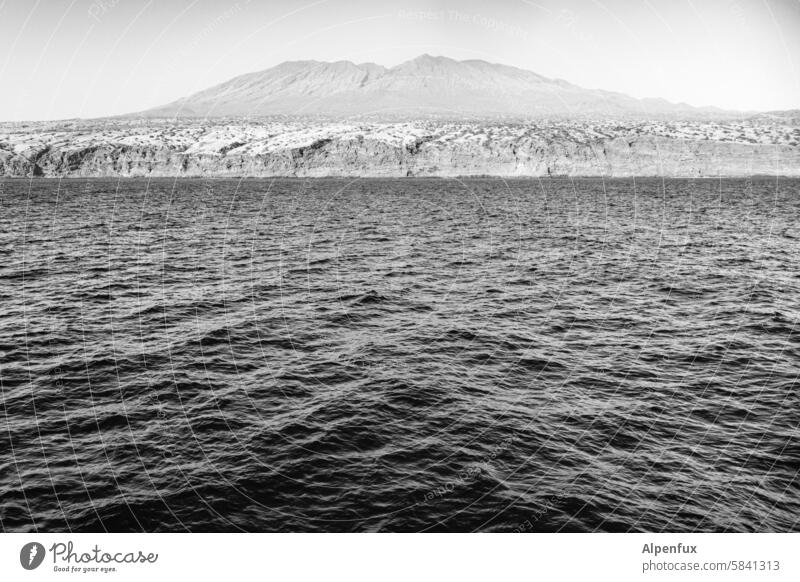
{"x":304,"y":148}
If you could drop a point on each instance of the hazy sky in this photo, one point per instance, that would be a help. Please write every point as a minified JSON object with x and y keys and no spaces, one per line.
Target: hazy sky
{"x":88,"y":58}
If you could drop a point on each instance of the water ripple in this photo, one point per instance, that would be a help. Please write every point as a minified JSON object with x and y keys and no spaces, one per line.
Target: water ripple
{"x":399,"y":355}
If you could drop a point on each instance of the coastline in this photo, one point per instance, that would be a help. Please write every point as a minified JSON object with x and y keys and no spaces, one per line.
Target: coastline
{"x":309,"y":149}
{"x":410,"y":179}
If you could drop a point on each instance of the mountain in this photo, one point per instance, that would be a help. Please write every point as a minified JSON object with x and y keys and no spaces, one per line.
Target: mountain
{"x":427,"y":86}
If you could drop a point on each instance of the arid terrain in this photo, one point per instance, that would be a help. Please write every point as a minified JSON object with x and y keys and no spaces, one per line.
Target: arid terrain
{"x":430,"y":116}
{"x":284,"y":146}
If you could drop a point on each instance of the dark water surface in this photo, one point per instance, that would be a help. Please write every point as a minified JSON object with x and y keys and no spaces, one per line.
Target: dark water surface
{"x":410,"y":355}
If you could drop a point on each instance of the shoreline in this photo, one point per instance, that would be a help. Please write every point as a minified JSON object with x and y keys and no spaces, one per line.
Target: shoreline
{"x":472,"y":177}
{"x":310,"y":149}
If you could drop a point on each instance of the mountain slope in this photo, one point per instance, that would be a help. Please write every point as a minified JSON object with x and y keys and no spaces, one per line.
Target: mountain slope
{"x":423,"y":87}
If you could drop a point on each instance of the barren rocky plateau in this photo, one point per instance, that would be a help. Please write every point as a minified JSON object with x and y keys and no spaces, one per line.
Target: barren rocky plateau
{"x":312,"y":147}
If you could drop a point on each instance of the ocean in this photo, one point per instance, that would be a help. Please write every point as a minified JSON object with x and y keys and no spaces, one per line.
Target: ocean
{"x":532,"y":355}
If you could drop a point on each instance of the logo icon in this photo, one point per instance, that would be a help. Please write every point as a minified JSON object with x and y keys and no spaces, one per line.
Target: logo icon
{"x":31,"y":555}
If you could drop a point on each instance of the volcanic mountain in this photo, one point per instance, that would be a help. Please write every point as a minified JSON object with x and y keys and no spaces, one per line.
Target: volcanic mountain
{"x":426,"y":86}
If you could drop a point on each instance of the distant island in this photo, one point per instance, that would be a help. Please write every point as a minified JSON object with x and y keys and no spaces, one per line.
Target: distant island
{"x":431,"y":116}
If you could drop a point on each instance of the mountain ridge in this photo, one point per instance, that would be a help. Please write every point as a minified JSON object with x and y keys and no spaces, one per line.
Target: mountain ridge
{"x":427,"y":86}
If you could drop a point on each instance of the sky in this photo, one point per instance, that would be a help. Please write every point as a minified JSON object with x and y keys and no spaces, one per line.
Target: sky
{"x":90,"y":58}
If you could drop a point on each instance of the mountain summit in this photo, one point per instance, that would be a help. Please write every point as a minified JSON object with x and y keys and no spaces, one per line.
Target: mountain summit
{"x":426,"y":86}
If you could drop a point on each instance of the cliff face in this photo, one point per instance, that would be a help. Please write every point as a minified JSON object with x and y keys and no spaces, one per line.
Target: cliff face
{"x":390,"y":150}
